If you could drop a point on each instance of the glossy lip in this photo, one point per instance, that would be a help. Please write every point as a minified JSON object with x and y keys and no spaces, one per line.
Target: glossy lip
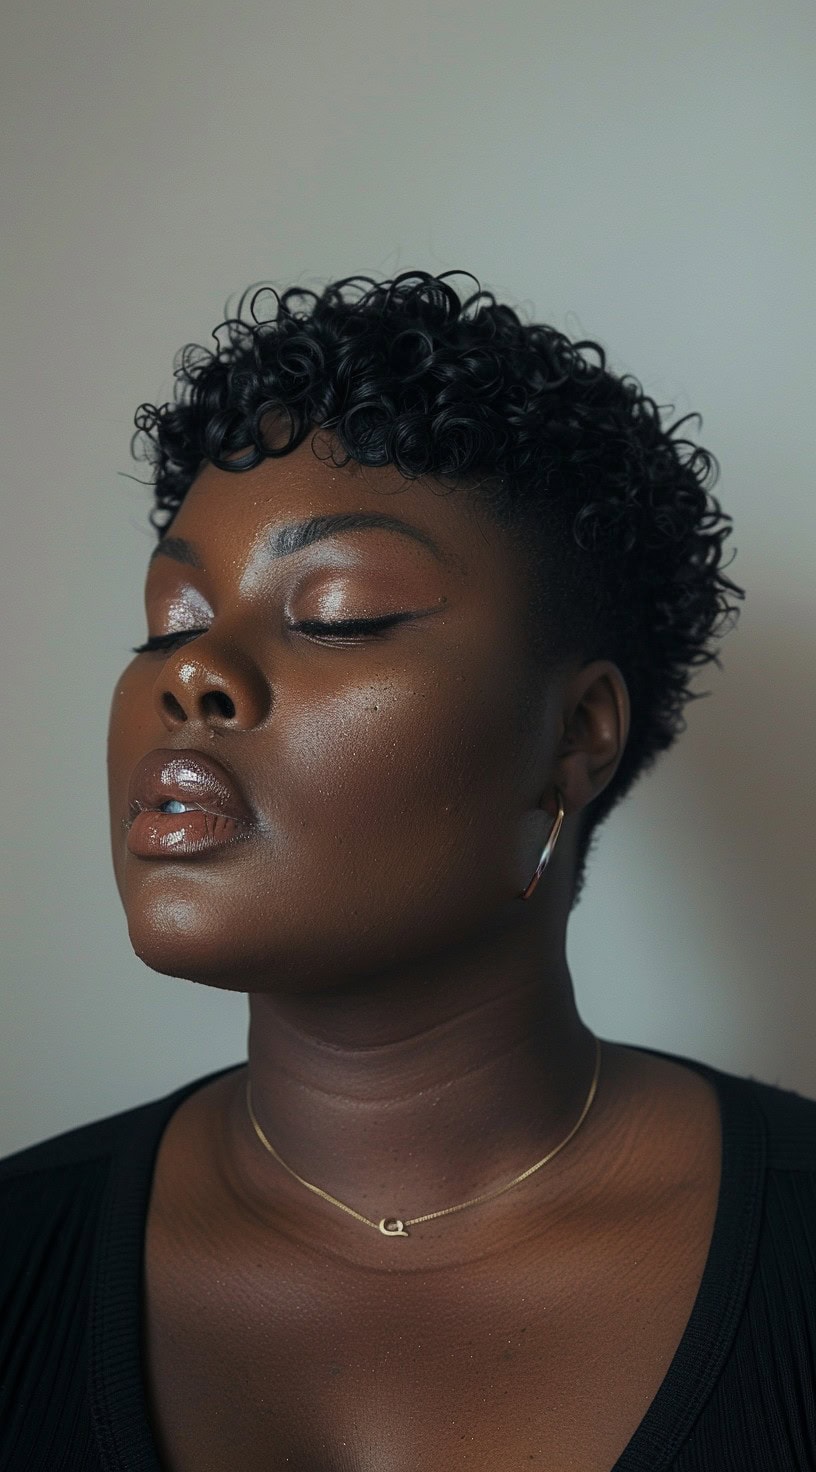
{"x":219,"y":813}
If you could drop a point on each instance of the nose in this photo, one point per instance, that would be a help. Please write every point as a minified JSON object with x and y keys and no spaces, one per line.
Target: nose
{"x":213,"y":683}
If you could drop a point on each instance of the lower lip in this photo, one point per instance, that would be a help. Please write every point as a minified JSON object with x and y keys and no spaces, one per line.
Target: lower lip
{"x":157,"y":835}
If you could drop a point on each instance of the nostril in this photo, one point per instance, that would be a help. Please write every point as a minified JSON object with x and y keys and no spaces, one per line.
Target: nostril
{"x":172,"y":707}
{"x":217,"y":701}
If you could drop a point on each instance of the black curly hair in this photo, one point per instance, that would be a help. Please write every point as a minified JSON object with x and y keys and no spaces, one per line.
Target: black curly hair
{"x":624,"y":539}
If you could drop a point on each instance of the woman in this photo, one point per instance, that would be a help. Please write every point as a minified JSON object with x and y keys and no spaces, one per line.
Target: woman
{"x":428,"y":590}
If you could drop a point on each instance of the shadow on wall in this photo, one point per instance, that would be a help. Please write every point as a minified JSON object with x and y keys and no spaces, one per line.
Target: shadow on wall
{"x":748,"y":788}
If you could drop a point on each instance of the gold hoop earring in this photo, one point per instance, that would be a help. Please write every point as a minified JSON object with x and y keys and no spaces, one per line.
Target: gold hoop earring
{"x":549,"y":849}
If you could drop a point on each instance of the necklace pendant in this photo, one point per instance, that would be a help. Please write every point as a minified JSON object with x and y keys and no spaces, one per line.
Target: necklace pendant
{"x":391,"y":1226}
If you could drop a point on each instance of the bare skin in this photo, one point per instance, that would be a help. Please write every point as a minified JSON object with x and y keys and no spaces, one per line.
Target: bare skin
{"x":414,"y":1038}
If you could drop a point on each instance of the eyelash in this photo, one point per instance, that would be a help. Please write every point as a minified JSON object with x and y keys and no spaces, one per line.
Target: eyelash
{"x":350,"y":628}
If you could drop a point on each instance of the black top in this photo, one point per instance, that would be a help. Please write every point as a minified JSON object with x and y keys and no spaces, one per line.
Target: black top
{"x":739,"y":1395}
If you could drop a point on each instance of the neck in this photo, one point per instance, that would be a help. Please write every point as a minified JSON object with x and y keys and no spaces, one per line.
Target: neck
{"x":411,"y":1093}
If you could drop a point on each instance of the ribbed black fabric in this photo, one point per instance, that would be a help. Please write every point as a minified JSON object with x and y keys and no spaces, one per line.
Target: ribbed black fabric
{"x":739,"y":1395}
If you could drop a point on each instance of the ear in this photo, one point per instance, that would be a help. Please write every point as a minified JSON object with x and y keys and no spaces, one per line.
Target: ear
{"x":596,"y":715}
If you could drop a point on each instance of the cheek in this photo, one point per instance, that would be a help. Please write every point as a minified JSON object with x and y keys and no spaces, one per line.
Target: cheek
{"x":403,"y":760}
{"x":131,"y":732}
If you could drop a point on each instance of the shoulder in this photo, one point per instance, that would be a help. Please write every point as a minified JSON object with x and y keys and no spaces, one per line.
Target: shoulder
{"x":788,"y":1117}
{"x":790,"y":1120}
{"x":53,"y":1199}
{"x":87,"y":1147}
{"x":72,"y":1148}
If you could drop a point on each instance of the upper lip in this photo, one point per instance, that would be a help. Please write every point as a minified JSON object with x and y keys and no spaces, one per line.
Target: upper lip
{"x":189,"y":777}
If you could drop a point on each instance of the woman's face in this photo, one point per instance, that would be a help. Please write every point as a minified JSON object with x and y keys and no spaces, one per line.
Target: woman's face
{"x":392,"y":783}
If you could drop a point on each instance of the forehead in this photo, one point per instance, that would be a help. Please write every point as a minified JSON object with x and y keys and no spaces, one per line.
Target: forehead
{"x":240,"y":512}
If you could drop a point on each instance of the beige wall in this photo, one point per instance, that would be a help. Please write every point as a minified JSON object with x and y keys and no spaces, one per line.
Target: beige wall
{"x":630,"y":170}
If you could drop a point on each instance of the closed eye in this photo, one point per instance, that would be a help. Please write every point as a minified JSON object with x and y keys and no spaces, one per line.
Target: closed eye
{"x":349,"y":628}
{"x":166,"y":641}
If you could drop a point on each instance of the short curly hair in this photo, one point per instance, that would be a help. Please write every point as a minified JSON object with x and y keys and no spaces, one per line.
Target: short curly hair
{"x":624,"y":538}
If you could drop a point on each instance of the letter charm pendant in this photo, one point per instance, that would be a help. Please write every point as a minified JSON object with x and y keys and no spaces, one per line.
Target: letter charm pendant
{"x":391,"y":1226}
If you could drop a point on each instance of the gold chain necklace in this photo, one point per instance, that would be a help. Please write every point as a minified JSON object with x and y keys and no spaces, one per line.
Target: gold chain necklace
{"x":394,"y":1226}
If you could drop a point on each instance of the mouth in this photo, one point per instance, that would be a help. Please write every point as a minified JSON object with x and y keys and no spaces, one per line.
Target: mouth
{"x":181,"y":803}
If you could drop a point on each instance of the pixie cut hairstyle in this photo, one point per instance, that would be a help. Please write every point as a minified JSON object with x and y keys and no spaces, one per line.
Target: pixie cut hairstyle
{"x":622,"y":538}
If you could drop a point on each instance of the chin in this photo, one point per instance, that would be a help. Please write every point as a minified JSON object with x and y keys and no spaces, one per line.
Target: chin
{"x":184,"y":967}
{"x":169,"y":937}
{"x":176,"y":938}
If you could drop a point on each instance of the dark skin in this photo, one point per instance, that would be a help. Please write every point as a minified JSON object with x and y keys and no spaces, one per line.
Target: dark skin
{"x":414,"y":1038}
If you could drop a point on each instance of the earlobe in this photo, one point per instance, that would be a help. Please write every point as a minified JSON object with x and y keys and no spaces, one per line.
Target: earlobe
{"x":594,"y":728}
{"x":549,"y":849}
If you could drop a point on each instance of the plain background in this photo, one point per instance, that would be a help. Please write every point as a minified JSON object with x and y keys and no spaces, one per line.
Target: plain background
{"x":633,"y":171}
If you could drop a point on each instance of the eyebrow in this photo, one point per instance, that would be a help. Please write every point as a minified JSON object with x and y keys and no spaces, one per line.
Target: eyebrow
{"x":299,"y":534}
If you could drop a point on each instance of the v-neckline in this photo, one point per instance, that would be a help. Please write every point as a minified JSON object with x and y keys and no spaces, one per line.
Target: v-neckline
{"x":117,"y":1382}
